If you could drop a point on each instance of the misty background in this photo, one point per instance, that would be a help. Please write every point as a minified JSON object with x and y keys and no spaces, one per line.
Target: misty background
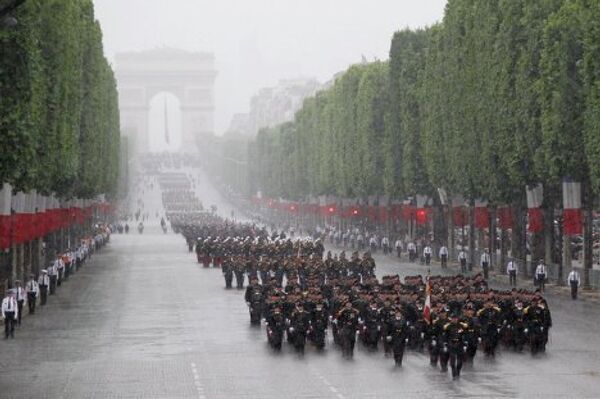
{"x":257,"y":43}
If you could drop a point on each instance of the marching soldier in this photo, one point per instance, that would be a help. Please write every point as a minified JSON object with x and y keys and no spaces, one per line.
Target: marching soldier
{"x":454,"y":332}
{"x":398,"y":336}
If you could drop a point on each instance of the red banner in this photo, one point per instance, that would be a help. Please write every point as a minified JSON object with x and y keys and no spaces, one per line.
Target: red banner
{"x":384,"y":214}
{"x":572,"y":221}
{"x":535,"y":219}
{"x":459,"y":216}
{"x":482,"y":218}
{"x":372,"y":213}
{"x":407,"y":212}
{"x":396,"y":211}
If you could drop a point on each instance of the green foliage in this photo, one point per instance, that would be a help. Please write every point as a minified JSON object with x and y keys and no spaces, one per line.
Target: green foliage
{"x":59,"y":125}
{"x":500,"y":94}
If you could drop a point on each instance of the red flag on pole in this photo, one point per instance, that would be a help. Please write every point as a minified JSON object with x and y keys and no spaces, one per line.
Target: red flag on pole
{"x":505,"y":217}
{"x":535,"y":196}
{"x":427,"y":306}
{"x":572,"y":220}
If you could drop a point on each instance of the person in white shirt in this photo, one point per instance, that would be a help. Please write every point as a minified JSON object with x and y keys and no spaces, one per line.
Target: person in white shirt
{"x":10,"y":313}
{"x":412,"y":251}
{"x":574,"y":280}
{"x":398,"y":245}
{"x":44,"y":284}
{"x":462,"y":259}
{"x":360,"y":240}
{"x":373,"y":244}
{"x":540,"y":275}
{"x":60,"y":268}
{"x":53,"y":274}
{"x":484,"y":262}
{"x":444,"y":256}
{"x":512,"y":269}
{"x":427,"y":251}
{"x":385,"y":244}
{"x":32,"y":290}
{"x":20,"y":298}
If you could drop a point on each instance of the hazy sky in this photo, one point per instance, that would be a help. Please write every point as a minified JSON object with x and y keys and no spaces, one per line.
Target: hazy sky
{"x":258,"y":42}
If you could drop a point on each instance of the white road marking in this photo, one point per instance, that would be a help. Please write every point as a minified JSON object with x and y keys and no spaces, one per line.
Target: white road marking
{"x":329,"y":385}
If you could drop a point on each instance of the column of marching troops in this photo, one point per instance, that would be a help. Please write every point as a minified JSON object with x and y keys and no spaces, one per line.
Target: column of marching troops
{"x":301,"y":295}
{"x":47,"y":282}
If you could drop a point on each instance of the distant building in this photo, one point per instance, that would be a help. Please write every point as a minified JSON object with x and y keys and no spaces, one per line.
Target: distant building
{"x":189,"y":76}
{"x":274,"y":105}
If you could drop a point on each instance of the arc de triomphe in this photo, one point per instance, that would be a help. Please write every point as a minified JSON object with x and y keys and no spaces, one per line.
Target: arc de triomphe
{"x":189,"y":76}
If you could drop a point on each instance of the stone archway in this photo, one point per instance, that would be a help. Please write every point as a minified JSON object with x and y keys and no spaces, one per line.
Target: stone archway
{"x":189,"y":76}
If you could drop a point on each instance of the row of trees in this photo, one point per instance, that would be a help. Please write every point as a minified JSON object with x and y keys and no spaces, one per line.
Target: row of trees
{"x":498,"y":96}
{"x":59,"y":119}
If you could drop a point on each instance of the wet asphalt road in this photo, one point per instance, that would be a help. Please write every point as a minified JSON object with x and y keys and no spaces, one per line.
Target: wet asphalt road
{"x":143,"y":320}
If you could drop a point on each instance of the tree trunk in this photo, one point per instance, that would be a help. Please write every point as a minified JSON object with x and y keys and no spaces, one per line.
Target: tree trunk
{"x":451,"y":243}
{"x":471,"y":235}
{"x":439,"y":228}
{"x":549,"y":235}
{"x":492,"y":238}
{"x":518,"y":238}
{"x":503,"y":248}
